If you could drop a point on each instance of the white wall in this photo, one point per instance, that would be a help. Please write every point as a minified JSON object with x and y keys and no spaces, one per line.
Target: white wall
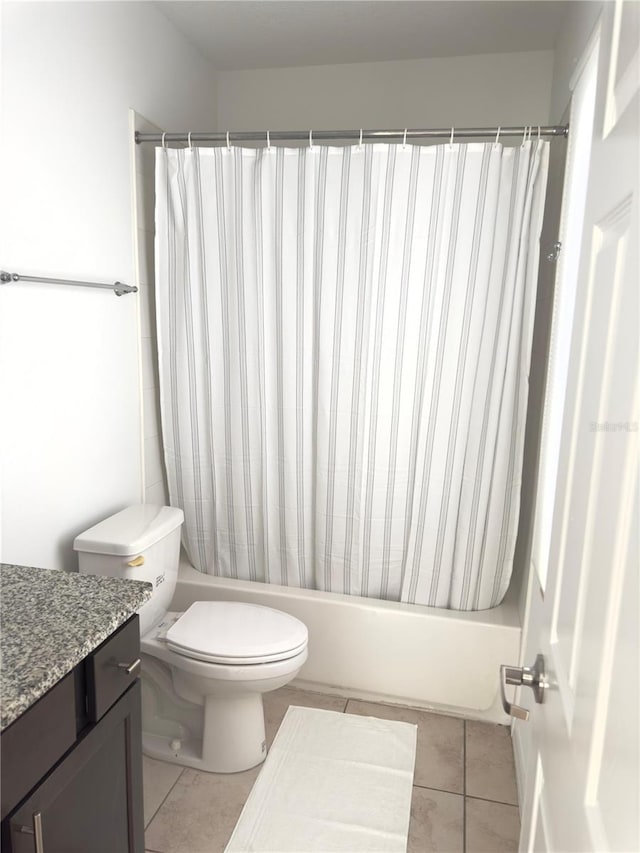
{"x":493,"y":89}
{"x":70,"y":396}
{"x":143,"y":168}
{"x":571,"y":43}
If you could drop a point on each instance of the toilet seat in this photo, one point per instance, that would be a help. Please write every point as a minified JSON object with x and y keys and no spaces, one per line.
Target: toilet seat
{"x":234,"y":633}
{"x":154,"y":645}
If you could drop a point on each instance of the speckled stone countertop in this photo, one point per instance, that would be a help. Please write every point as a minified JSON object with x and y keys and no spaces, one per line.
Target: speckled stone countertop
{"x":50,"y":621}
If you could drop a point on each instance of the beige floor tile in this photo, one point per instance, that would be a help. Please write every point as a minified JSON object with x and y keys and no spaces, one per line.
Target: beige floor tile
{"x":437,"y":820}
{"x":158,"y":778}
{"x":200,"y":813}
{"x":440,"y":748}
{"x":491,"y":827}
{"x":491,"y":771}
{"x":277,"y":702}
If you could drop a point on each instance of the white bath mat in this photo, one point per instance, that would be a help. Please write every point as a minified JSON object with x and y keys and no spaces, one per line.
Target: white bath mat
{"x":331,"y":782}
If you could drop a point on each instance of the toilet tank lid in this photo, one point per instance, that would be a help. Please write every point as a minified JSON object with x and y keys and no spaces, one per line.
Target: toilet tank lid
{"x":130,"y":531}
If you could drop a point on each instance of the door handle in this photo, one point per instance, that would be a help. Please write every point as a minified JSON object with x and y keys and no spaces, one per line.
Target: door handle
{"x":530,"y":676}
{"x":36,"y":831}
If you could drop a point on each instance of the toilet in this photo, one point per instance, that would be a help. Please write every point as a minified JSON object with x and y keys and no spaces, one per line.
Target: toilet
{"x":203,"y":671}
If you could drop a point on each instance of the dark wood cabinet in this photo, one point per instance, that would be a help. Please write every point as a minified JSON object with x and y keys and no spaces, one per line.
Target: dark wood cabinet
{"x":90,"y":799}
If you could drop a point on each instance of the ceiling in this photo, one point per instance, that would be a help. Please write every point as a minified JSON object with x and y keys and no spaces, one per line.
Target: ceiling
{"x":235,"y":34}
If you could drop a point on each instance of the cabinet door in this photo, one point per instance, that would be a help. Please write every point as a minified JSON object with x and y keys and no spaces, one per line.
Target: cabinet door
{"x":91,"y":802}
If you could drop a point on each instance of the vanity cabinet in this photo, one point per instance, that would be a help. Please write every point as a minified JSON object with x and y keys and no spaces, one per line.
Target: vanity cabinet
{"x":72,"y":763}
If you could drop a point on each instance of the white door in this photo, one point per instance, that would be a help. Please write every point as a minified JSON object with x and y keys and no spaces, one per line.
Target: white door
{"x":580,"y":746}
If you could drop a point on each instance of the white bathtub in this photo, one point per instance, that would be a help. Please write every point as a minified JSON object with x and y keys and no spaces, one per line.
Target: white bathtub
{"x":380,"y":650}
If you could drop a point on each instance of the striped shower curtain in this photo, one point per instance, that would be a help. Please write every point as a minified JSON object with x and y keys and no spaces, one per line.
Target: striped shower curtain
{"x":344,"y":341}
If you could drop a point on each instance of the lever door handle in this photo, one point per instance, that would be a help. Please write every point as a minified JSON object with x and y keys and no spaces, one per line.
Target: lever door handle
{"x":531,"y":676}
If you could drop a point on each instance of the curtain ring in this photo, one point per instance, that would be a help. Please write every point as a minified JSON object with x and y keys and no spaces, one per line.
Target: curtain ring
{"x":268,"y":141}
{"x":163,"y":142}
{"x":228,"y":143}
{"x":404,"y":139}
{"x":538,"y":133}
{"x":360,"y":143}
{"x":189,"y":140}
{"x":310,"y":140}
{"x":498,"y":134}
{"x":524,"y":138}
{"x":451,"y":140}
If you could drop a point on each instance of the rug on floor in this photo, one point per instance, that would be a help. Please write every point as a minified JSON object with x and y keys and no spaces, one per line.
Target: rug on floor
{"x":331,"y":782}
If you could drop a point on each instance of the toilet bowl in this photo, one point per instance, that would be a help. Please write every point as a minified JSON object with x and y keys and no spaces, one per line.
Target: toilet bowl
{"x":204,"y":671}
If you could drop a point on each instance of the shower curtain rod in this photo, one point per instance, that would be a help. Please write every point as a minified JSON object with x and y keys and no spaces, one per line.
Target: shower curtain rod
{"x":224,"y":138}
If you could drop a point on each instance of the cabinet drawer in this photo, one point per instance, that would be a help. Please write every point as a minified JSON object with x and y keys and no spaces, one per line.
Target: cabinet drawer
{"x":112,"y":668}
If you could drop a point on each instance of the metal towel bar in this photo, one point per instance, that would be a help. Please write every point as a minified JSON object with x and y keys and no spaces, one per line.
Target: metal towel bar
{"x":118,"y":287}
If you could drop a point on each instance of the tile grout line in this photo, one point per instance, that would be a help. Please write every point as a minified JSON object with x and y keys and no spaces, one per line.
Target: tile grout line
{"x":154,"y":815}
{"x":462,"y":794}
{"x":464,"y":786}
{"x":497,"y":802}
{"x":441,"y":790}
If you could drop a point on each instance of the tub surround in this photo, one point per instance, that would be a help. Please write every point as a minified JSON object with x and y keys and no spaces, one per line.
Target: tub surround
{"x":51,"y":620}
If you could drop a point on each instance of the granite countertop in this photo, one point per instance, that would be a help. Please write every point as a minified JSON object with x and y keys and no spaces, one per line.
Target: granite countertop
{"x":50,"y":621}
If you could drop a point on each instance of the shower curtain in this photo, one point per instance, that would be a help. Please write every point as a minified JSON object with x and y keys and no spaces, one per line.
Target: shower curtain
{"x":344,"y":340}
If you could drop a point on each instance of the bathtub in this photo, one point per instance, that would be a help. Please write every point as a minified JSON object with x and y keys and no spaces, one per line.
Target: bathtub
{"x":405,"y":654}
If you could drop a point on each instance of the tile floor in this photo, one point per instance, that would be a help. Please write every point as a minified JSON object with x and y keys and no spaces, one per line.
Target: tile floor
{"x":464,"y":795}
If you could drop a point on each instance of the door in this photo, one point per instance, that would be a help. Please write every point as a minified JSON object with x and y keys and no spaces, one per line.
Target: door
{"x":580,"y":747}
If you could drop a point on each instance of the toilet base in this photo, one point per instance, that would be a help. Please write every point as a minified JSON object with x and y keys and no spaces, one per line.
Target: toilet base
{"x":233,"y":737}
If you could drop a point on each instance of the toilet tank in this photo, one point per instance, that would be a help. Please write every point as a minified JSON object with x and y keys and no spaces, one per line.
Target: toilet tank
{"x":139,"y":543}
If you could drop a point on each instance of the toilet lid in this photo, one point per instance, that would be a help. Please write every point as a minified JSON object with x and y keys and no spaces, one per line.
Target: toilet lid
{"x":231,"y":632}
